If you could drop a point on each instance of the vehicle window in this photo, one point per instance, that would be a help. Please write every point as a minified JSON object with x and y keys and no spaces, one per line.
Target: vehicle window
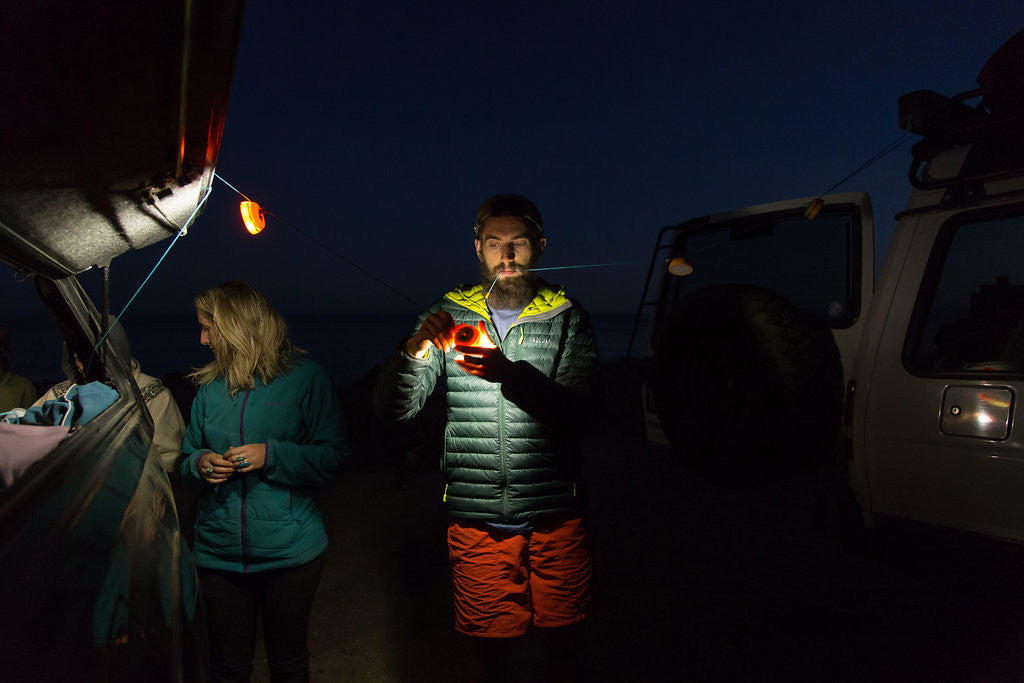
{"x":808,"y":262}
{"x":30,"y":345}
{"x":973,"y":313}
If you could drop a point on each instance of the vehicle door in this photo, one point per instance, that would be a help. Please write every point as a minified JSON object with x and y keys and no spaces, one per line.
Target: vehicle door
{"x":941,"y":442}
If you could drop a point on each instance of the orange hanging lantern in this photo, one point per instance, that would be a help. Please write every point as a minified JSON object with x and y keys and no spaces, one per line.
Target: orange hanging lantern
{"x":680,"y":266}
{"x":252,"y":216}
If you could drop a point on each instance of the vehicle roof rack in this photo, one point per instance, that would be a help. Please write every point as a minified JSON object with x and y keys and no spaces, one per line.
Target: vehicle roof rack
{"x":994,"y":127}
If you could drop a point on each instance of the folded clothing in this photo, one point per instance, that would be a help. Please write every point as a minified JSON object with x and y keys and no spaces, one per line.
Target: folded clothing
{"x":79,"y":405}
{"x":28,"y":434}
{"x":23,"y":444}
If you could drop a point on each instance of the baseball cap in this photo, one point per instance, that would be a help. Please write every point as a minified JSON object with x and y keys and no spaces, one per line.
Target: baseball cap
{"x":508,"y":205}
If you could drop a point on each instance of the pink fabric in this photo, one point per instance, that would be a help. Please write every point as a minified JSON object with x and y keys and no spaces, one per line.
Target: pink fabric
{"x":21,"y":445}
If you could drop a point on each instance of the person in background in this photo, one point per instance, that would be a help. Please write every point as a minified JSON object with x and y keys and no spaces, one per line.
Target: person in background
{"x":15,"y":391}
{"x":517,"y":406}
{"x":168,"y":425}
{"x":265,"y":429}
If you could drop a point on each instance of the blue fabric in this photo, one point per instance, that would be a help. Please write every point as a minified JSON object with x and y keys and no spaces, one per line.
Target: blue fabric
{"x":503,"y":319}
{"x":55,"y":412}
{"x":512,"y":529}
{"x":79,"y":405}
{"x":40,"y":428}
{"x":90,"y":400}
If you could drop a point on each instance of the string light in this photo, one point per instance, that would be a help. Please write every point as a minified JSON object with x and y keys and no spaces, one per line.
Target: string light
{"x":253,"y":207}
{"x":252,"y":217}
{"x":183,"y":230}
{"x":818,"y":202}
{"x":679,"y":266}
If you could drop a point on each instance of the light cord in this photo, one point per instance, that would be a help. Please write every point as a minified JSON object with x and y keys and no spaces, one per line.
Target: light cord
{"x":181,"y":231}
{"x":590,"y":265}
{"x":218,"y":177}
{"x":892,"y":146}
{"x":386,"y":284}
{"x":327,"y":248}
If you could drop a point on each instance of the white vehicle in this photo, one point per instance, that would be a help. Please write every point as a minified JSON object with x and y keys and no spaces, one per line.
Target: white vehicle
{"x":744,"y":377}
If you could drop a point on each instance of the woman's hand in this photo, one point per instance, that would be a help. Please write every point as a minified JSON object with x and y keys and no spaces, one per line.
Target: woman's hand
{"x":215,"y":468}
{"x":247,"y":458}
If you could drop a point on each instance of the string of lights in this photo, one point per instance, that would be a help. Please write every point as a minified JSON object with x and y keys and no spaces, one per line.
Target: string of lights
{"x":253,"y":217}
{"x":182,"y":230}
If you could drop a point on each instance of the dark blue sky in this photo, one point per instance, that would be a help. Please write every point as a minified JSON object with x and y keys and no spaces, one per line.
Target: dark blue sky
{"x":379,"y":128}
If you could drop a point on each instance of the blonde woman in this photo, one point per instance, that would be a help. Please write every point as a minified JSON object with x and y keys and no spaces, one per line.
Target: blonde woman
{"x":265,"y":429}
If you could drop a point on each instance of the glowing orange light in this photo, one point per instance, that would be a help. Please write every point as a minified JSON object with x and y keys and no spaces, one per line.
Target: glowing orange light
{"x":813,"y":208}
{"x":679,"y":266}
{"x":473,"y":335}
{"x":252,"y":216}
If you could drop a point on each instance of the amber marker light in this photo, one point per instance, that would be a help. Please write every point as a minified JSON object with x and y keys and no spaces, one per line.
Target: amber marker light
{"x":252,"y":216}
{"x":814,"y":208}
{"x":679,"y":266}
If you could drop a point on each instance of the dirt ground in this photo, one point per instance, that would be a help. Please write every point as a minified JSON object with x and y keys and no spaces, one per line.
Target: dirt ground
{"x":694,"y":582}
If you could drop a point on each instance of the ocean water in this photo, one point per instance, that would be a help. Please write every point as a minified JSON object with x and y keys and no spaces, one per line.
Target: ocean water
{"x":349,"y":347}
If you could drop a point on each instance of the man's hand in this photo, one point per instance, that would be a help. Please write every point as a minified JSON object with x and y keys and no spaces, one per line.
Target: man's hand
{"x":490,"y":364}
{"x":435,"y":330}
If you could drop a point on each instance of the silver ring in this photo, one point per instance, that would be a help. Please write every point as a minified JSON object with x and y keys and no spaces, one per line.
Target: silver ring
{"x":209,"y":470}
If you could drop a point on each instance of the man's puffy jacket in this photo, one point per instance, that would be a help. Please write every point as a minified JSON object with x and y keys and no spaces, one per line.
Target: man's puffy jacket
{"x":511,"y":450}
{"x":265,"y":519}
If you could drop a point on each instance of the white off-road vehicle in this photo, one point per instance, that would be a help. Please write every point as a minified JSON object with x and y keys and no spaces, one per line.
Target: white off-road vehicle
{"x":747,"y":356}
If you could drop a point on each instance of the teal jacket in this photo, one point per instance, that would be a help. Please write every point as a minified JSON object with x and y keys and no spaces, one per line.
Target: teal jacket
{"x":266,"y":519}
{"x":511,"y":451}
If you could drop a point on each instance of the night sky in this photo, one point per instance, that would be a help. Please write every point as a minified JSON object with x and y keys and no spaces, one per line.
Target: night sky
{"x":378,"y":129}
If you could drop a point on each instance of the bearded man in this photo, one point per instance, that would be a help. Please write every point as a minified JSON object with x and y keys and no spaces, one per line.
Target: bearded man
{"x":518,"y":401}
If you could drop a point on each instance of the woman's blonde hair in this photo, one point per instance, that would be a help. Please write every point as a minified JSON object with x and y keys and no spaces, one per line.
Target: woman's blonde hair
{"x":252,"y":337}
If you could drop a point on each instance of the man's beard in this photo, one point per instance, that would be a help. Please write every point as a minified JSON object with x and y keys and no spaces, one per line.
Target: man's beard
{"x":510,"y":293}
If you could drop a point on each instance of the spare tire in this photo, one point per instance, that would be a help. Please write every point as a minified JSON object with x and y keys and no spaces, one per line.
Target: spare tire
{"x":747,"y":389}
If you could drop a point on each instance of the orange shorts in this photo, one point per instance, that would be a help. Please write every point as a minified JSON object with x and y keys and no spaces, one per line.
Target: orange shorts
{"x":503,"y":583}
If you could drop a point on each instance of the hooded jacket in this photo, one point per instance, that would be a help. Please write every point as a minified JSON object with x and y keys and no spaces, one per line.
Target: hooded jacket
{"x":266,"y":519}
{"x":168,"y":425}
{"x":511,"y":450}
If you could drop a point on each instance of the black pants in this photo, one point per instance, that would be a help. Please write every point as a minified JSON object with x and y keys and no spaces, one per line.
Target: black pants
{"x":284,"y":597}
